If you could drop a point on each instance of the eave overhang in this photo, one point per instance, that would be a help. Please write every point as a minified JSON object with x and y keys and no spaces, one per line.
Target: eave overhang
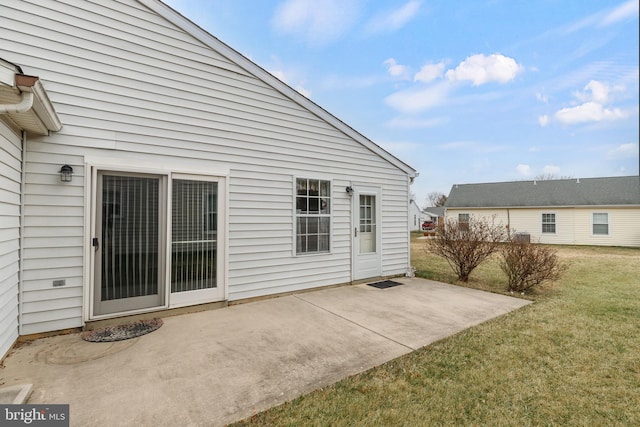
{"x":24,"y":101}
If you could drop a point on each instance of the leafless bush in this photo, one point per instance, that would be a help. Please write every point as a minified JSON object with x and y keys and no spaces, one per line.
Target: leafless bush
{"x":527,"y":265}
{"x":465,"y":245}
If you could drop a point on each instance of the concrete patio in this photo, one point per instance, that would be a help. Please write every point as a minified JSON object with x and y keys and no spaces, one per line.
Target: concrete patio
{"x":220,"y":366}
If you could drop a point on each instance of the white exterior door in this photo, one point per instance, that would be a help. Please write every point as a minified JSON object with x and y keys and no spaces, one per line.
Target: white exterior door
{"x":367,"y":258}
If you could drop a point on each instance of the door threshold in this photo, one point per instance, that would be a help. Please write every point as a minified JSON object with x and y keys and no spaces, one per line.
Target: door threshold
{"x":168,"y":312}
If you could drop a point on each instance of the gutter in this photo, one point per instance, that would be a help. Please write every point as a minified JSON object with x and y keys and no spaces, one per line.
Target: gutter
{"x":25,"y":104}
{"x":33,"y":100}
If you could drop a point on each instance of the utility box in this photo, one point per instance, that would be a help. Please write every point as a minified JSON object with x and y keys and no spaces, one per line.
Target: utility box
{"x":522,"y":237}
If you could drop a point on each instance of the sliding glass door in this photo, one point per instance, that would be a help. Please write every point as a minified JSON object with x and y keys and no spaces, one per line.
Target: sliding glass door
{"x":194,"y":235}
{"x":129,"y":243}
{"x":157,"y":241}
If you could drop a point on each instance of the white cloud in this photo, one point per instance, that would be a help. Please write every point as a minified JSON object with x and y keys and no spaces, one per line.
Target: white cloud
{"x":623,"y":151}
{"x":480,"y":69}
{"x":319,"y":22}
{"x":303,"y":91}
{"x":589,"y":112}
{"x":413,"y":101}
{"x":524,"y":170}
{"x":627,"y":10}
{"x":594,"y":97}
{"x":594,"y":91}
{"x":551,"y":170}
{"x":396,"y":19}
{"x":543,"y":120}
{"x":429,"y":72}
{"x":396,"y":70}
{"x":281,"y":75}
{"x":542,"y":97}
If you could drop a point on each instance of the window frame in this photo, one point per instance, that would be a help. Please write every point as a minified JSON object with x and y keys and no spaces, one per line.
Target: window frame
{"x":310,"y":214}
{"x":593,"y":224}
{"x":554,"y":223}
{"x":464,"y":225}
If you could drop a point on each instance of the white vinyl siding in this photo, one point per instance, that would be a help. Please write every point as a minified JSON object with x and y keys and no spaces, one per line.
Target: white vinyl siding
{"x":127,"y":83}
{"x":574,"y":225}
{"x":10,"y":177}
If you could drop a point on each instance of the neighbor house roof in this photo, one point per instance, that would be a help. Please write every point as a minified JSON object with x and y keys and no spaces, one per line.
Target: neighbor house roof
{"x":434,"y":210}
{"x":209,"y":40}
{"x":612,"y":191}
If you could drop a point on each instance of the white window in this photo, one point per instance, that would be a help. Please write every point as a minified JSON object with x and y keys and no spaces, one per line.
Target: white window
{"x":601,"y":223}
{"x":313,"y":215}
{"x":549,"y":223}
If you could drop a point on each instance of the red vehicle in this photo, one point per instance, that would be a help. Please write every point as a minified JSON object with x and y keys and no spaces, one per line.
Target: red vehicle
{"x":428,"y":225}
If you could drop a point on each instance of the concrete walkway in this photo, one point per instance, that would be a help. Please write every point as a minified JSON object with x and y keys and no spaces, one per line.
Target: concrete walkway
{"x":216,"y":367}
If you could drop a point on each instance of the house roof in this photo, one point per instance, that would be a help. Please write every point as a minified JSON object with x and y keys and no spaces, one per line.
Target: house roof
{"x":611,"y":191}
{"x":434,"y":210}
{"x":203,"y":36}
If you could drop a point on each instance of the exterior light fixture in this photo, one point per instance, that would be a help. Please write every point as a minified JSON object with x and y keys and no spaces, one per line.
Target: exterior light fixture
{"x":349,"y":190}
{"x":66,"y":172}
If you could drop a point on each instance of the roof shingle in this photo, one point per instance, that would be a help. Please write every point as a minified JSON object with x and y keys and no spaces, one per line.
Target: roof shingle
{"x":609,"y":191}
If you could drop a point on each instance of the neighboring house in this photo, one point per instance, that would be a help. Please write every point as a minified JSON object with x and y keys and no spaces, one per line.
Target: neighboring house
{"x":148,"y":166}
{"x":415,"y":216}
{"x":434,"y":213}
{"x":586,"y":211}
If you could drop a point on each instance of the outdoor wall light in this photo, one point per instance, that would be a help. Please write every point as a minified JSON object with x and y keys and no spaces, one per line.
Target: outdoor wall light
{"x":349,"y":190}
{"x":66,"y":172}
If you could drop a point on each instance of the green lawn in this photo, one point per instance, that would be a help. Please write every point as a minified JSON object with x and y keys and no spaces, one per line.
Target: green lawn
{"x":570,"y":359}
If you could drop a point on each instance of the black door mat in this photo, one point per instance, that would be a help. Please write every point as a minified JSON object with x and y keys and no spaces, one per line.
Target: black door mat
{"x":384,"y":284}
{"x":122,"y":332}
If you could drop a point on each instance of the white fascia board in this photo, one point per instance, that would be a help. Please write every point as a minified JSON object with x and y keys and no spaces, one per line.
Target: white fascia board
{"x":43,"y":108}
{"x":236,"y":57}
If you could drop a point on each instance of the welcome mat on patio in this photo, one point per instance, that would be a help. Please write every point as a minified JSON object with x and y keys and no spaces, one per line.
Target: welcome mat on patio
{"x":385,"y":284}
{"x":122,"y":332}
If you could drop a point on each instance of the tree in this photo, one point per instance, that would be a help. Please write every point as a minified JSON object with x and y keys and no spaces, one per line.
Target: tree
{"x":465,"y":245}
{"x":527,"y":265}
{"x":549,"y":177}
{"x":436,"y":198}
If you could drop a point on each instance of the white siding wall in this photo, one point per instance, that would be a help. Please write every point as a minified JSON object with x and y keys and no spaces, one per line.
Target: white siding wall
{"x":10,"y":177}
{"x":415,"y":217}
{"x":624,"y":227}
{"x":573,"y":225}
{"x":127,"y":83}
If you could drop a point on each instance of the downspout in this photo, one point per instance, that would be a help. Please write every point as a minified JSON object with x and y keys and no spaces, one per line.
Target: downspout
{"x":25,"y":104}
{"x":23,"y":186}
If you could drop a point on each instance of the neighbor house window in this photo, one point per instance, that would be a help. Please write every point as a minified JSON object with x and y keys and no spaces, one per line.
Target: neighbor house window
{"x":549,"y":223}
{"x":601,"y":223}
{"x":313,"y":215}
{"x":463,"y":221}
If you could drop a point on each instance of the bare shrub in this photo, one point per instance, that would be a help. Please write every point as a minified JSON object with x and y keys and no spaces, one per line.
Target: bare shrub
{"x":527,"y":265}
{"x":465,"y":245}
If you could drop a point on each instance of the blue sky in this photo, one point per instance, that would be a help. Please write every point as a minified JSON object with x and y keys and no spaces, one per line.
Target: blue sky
{"x":464,"y":91}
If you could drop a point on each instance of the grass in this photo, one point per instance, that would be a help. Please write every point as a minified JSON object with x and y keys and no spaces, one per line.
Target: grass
{"x":572,"y":358}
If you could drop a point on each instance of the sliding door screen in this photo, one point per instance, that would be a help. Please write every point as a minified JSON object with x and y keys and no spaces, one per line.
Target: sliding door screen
{"x":194,"y":247}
